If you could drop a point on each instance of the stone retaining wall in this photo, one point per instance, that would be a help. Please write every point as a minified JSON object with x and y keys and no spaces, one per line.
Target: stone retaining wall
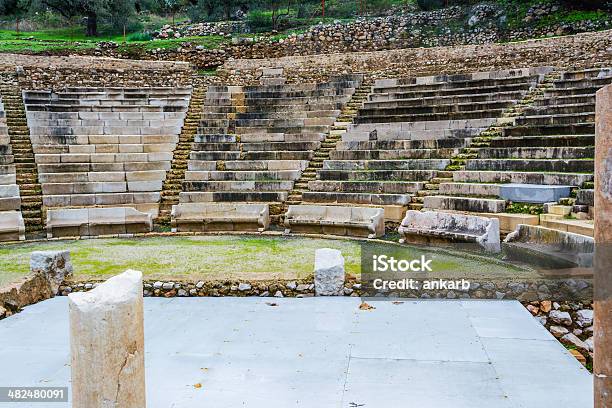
{"x":578,"y":51}
{"x":481,"y":24}
{"x":36,"y":72}
{"x":570,"y":322}
{"x":528,"y":291}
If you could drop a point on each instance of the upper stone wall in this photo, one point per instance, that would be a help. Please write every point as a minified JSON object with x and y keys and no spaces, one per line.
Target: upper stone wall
{"x":577,"y":51}
{"x":483,"y":23}
{"x":41,"y":72}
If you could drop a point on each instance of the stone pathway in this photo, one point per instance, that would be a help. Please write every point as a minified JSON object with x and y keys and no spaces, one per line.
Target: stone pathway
{"x":320,"y":352}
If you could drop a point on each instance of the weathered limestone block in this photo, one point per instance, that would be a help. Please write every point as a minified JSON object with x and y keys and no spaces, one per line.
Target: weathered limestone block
{"x":418,"y":226}
{"x":54,"y":265}
{"x":329,"y":272}
{"x":12,"y":227}
{"x":197,"y":217}
{"x":336,"y":220}
{"x":107,"y":344}
{"x":549,"y":248}
{"x":97,"y":221}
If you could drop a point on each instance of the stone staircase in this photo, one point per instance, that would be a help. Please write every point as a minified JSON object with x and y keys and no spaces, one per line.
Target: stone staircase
{"x":406,"y":133}
{"x":347,"y":115}
{"x":176,"y":175}
{"x":25,"y":165}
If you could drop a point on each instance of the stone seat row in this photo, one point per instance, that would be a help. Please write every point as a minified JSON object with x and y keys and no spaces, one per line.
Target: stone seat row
{"x":81,"y":115}
{"x":69,"y":109}
{"x":387,"y":101}
{"x":110,"y":93}
{"x":536,"y":245}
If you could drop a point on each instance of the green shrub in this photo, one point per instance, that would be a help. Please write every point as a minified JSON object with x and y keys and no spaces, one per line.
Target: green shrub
{"x":586,"y":4}
{"x":259,"y":21}
{"x":139,"y":37}
{"x":430,"y":4}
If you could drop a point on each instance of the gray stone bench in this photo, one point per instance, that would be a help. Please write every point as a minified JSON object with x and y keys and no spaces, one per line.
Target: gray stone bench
{"x":201,"y":217}
{"x":12,"y":227}
{"x":335,"y":220}
{"x":433,"y":226}
{"x":549,"y":248}
{"x":97,"y":221}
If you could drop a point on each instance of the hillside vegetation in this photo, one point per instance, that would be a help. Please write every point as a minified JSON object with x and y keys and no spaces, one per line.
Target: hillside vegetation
{"x":136,"y":26}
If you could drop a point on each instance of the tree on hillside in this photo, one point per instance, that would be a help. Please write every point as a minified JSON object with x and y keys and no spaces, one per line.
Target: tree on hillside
{"x":219,"y":9}
{"x":172,"y":7}
{"x":276,"y":7}
{"x":115,"y":11}
{"x":15,"y":8}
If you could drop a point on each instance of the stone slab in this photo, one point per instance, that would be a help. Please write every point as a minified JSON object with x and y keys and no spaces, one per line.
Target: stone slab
{"x":533,"y":193}
{"x":568,"y":225}
{"x":320,"y":352}
{"x":508,"y":221}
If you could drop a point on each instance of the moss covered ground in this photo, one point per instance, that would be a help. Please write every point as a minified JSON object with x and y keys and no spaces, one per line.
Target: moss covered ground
{"x":225,"y":257}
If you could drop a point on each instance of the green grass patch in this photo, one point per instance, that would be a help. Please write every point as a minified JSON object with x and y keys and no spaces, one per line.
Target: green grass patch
{"x":574,"y":16}
{"x":525,"y":208}
{"x":208,"y":42}
{"x":184,"y":257}
{"x":18,"y":46}
{"x":230,"y":257}
{"x":207,"y":72}
{"x":73,"y":39}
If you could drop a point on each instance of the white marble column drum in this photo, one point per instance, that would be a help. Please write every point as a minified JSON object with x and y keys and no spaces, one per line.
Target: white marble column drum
{"x":107,"y":344}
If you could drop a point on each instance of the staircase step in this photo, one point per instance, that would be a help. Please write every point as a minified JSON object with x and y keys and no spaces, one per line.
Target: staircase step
{"x":27,"y":172}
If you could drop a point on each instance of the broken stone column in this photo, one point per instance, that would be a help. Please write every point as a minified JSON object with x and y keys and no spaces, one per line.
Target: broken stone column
{"x":602,"y":305}
{"x":53,"y":265}
{"x":329,"y":272}
{"x":107,"y":344}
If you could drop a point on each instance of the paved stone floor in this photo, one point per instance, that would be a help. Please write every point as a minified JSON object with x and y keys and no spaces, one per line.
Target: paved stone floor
{"x":319,"y":352}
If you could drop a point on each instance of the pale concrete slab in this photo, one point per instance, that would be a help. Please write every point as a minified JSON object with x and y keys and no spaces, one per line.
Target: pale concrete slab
{"x":319,"y":352}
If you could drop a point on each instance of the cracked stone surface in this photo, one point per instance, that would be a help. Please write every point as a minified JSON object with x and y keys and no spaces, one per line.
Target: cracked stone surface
{"x":107,"y":344}
{"x":320,"y":352}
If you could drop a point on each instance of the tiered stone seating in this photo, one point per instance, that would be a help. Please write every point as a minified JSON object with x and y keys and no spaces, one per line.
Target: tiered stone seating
{"x":255,"y":141}
{"x":108,"y":147}
{"x":550,"y":148}
{"x":11,"y":221}
{"x":408,"y":130}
